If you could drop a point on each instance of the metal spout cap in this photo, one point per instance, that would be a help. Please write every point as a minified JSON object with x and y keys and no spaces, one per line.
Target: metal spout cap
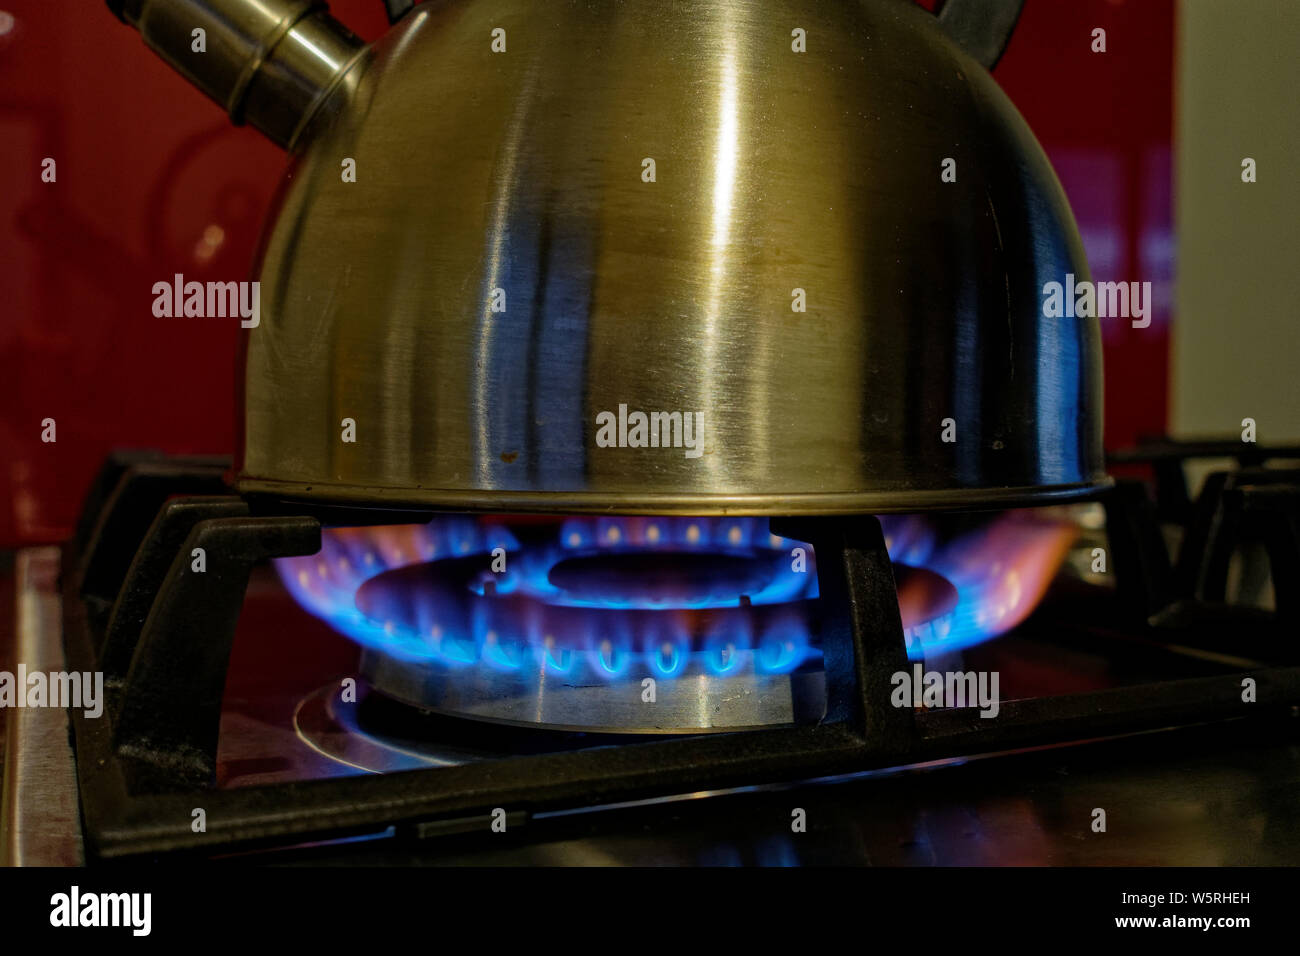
{"x":269,"y":63}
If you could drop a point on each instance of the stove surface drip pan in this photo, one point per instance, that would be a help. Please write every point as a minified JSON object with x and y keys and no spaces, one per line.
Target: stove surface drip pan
{"x":694,"y":700}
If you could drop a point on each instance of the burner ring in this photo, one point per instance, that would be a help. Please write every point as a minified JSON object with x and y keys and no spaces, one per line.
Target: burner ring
{"x":453,"y":624}
{"x":511,"y":656}
{"x":627,"y":628}
{"x":668,"y":578}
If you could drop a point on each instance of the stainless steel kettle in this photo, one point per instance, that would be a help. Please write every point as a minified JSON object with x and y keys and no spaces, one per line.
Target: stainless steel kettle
{"x":635,"y":256}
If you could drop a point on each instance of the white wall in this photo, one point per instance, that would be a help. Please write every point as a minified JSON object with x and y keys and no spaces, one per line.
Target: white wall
{"x":1236,"y":325}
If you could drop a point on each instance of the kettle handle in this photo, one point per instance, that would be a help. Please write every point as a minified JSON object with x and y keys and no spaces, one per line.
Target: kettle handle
{"x":396,"y":9}
{"x":980,"y":27}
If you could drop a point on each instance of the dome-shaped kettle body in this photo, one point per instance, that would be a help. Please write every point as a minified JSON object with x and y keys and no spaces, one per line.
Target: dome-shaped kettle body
{"x":745,"y":256}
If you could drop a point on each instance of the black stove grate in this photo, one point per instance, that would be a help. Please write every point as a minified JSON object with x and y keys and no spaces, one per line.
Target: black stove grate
{"x":163,"y":635}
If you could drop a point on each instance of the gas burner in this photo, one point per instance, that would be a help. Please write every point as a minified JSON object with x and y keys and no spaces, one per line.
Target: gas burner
{"x":640,"y":625}
{"x":613,"y":625}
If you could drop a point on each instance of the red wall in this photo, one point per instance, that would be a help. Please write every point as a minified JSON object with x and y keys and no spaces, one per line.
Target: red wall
{"x":147,"y":168}
{"x":1106,"y":122}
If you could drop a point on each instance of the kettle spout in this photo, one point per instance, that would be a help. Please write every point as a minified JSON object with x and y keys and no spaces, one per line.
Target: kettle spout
{"x":269,"y":63}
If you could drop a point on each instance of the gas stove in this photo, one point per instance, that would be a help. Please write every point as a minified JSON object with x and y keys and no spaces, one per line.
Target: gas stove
{"x":279,"y":676}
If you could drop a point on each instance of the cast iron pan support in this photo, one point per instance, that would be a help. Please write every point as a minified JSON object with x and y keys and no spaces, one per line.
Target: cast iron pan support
{"x":168,"y":709}
{"x":124,"y":498}
{"x":167,"y":647}
{"x":862,"y":631}
{"x":147,"y":574}
{"x":1137,"y":550}
{"x":1270,"y":511}
{"x":145,"y":766}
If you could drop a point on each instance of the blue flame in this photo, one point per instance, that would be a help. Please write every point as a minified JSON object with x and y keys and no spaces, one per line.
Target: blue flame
{"x":745,"y":537}
{"x":327,"y":582}
{"x":519,"y":620}
{"x":1000,"y":571}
